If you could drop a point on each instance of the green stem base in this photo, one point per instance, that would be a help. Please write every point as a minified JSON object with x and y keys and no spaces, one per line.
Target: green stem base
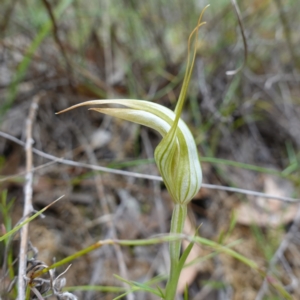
{"x":177,"y":223}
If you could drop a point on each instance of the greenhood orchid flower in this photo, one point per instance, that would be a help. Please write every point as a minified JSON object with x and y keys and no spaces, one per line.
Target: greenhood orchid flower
{"x":176,"y":155}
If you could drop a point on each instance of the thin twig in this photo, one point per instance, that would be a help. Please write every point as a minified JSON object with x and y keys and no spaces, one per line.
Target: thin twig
{"x":144,"y":176}
{"x":27,"y":199}
{"x":56,"y":36}
{"x":239,"y":17}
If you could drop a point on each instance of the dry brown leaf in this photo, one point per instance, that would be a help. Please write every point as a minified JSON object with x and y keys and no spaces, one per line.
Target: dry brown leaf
{"x":268,"y":212}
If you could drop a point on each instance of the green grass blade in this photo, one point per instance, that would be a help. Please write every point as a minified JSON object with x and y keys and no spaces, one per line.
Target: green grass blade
{"x":96,"y":288}
{"x":18,"y":227}
{"x":139,"y":286}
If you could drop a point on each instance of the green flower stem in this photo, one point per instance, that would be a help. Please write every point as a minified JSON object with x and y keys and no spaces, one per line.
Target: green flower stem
{"x":177,"y":223}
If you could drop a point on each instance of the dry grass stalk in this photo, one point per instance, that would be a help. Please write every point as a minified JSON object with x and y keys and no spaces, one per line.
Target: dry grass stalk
{"x":27,"y":198}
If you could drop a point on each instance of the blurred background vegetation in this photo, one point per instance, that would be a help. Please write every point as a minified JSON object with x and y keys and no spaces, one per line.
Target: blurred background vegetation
{"x":246,"y":127}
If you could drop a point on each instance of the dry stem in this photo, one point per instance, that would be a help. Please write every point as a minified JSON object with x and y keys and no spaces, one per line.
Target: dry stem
{"x":27,"y":199}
